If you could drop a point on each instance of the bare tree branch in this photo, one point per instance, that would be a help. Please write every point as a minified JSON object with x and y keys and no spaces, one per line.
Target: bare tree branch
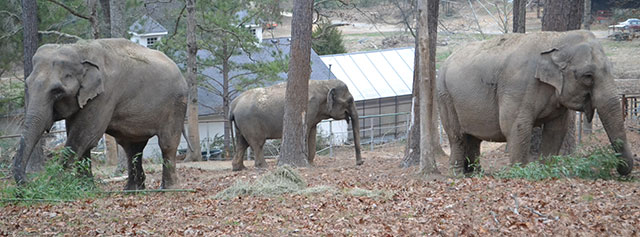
{"x":175,"y":28}
{"x":59,"y":34}
{"x":69,"y":9}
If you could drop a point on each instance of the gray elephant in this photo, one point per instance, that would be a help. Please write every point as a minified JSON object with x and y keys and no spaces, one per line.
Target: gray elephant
{"x":111,"y":86}
{"x":499,"y":89}
{"x":258,"y":116}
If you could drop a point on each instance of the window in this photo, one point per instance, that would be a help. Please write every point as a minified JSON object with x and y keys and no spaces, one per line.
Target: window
{"x":253,"y":31}
{"x":151,"y":41}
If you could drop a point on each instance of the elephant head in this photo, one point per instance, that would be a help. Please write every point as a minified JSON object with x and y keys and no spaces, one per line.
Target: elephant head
{"x":340,"y":105}
{"x":62,"y":82}
{"x":581,"y":76}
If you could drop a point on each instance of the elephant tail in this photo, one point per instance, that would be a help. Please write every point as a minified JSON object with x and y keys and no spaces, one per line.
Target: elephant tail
{"x":184,"y":133}
{"x":231,"y":122}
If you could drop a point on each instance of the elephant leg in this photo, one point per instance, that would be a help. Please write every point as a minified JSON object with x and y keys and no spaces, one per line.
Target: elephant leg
{"x":258,"y":151}
{"x":457,"y":161}
{"x":241,"y":147}
{"x":81,"y":139}
{"x":553,"y":134}
{"x":519,"y":140}
{"x":168,"y":143}
{"x":134,"y":164}
{"x":312,"y":144}
{"x":471,"y":154}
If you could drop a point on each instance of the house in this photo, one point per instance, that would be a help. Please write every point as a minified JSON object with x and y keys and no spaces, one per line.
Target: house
{"x":146,"y":31}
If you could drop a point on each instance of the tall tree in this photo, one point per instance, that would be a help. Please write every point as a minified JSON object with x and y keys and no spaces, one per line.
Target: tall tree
{"x":30,"y":45}
{"x":427,"y":36}
{"x":564,"y":15}
{"x":587,"y":15}
{"x":194,"y":154}
{"x":519,"y":15}
{"x":294,"y":151}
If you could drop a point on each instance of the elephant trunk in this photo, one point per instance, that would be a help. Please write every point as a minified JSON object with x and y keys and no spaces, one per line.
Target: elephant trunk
{"x":608,"y":107}
{"x":353,"y":112}
{"x":36,"y":122}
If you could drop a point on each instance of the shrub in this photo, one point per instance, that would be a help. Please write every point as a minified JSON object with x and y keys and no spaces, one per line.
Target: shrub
{"x":55,"y":182}
{"x":597,"y":163}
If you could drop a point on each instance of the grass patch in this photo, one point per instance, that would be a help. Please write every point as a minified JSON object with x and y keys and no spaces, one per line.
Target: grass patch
{"x":597,"y":163}
{"x":54,"y":183}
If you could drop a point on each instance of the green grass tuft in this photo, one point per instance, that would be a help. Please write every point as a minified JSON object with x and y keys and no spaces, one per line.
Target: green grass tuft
{"x":597,"y":163}
{"x":54,"y":183}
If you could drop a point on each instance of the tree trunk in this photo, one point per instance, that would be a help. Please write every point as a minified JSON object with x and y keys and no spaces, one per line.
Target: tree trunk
{"x":106,"y":18}
{"x":192,"y":107}
{"x":226,"y":101}
{"x":294,"y":149}
{"x":118,"y":28}
{"x":111,"y":149}
{"x":562,"y":15}
{"x":30,"y":44}
{"x":412,"y":150}
{"x":586,"y":22}
{"x":519,"y":15}
{"x":92,"y":5}
{"x":427,"y":36}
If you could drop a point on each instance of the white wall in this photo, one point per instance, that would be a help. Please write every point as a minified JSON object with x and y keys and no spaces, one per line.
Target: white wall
{"x":339,"y":128}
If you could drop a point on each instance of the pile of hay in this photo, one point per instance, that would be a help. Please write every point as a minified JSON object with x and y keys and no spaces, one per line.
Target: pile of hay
{"x":282,"y":180}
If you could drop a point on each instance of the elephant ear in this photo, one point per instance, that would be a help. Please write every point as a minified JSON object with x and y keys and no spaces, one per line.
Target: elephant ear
{"x":330,"y":98}
{"x":550,"y":66}
{"x":90,"y":84}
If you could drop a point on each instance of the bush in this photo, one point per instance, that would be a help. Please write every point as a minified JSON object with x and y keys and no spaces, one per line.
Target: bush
{"x":597,"y":163}
{"x":55,"y":182}
{"x":327,"y":39}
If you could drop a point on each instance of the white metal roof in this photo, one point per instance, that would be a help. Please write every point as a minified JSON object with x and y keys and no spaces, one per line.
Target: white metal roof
{"x":374,"y":74}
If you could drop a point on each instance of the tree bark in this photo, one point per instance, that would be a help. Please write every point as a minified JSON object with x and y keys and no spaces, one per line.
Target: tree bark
{"x":294,"y":150}
{"x":519,"y":15}
{"x":412,"y":150}
{"x":562,"y":15}
{"x":30,"y":45}
{"x":92,"y":5}
{"x":192,"y":106}
{"x":586,"y":22}
{"x":226,"y":101}
{"x":106,"y":18}
{"x":118,"y":28}
{"x":427,"y":36}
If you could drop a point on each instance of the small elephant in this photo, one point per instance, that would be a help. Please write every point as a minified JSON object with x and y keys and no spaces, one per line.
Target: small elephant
{"x":258,"y":116}
{"x":111,"y":86}
{"x":500,"y":89}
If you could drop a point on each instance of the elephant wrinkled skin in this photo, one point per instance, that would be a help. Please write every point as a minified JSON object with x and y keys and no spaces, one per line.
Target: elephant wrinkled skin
{"x":258,"y":116}
{"x":499,"y":89}
{"x":111,"y":86}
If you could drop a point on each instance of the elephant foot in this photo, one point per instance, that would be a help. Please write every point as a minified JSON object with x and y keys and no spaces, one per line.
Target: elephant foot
{"x":261,"y":165}
{"x":238,"y":167}
{"x":359,"y":162}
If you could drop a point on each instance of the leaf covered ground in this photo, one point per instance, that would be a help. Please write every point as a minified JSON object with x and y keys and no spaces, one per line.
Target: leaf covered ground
{"x":377,"y":198}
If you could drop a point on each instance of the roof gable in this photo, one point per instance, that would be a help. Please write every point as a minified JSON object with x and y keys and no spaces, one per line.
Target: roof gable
{"x":146,"y":25}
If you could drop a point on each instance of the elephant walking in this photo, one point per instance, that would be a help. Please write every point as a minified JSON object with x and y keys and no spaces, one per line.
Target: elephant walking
{"x":258,"y":116}
{"x":111,"y":86}
{"x":499,"y":89}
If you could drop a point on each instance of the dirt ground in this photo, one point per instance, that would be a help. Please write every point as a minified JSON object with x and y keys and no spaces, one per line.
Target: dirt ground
{"x":417,"y":206}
